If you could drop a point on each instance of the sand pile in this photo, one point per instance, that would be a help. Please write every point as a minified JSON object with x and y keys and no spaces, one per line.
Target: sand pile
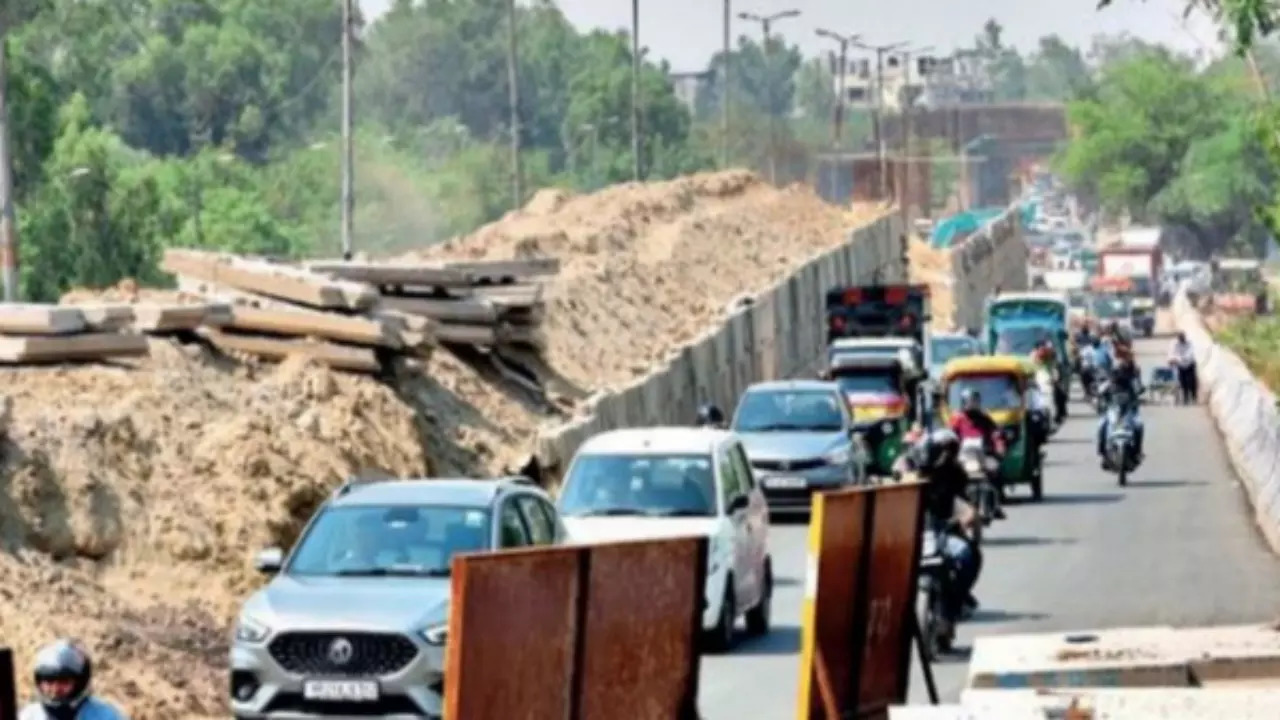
{"x":932,"y":267}
{"x":133,"y":496}
{"x":649,"y":267}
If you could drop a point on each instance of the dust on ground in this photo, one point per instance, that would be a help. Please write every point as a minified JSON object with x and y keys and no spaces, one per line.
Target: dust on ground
{"x":133,"y":494}
{"x":932,"y":266}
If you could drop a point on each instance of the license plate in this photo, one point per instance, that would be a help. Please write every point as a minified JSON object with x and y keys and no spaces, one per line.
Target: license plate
{"x":341,"y":690}
{"x":785,"y":482}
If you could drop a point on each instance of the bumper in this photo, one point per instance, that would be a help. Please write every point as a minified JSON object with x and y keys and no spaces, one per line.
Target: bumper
{"x":415,"y":691}
{"x":799,"y":499}
{"x":714,"y":597}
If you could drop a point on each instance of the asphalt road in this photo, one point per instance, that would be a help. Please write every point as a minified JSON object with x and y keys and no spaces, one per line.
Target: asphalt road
{"x":1176,"y":546}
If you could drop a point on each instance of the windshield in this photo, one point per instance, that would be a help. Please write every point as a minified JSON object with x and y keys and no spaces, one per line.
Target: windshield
{"x":1077,"y":299}
{"x":1141,"y":285}
{"x":998,"y":392}
{"x":649,"y":485}
{"x":389,"y":540}
{"x":852,"y":384}
{"x":1111,"y":306}
{"x":1019,"y":340}
{"x":789,"y":410}
{"x":945,"y":349}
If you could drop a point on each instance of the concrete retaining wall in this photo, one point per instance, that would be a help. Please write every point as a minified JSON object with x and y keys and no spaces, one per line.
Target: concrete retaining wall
{"x":779,"y":333}
{"x":1246,"y":415}
{"x":994,"y":257}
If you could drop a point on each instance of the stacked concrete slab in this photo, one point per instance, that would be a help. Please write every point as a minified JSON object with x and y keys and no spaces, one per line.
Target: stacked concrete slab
{"x":32,"y":334}
{"x":1246,"y":414}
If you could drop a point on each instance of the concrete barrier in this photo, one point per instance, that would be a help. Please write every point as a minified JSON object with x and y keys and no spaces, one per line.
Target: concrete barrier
{"x":1246,"y":414}
{"x":993,"y":258}
{"x":595,"y":628}
{"x":781,"y":334}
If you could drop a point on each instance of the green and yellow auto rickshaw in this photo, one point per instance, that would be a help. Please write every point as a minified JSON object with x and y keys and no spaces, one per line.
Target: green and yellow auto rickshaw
{"x":1002,"y":381}
{"x":876,"y":389}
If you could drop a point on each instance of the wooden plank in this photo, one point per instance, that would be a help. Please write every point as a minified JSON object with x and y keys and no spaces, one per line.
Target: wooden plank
{"x":273,"y":280}
{"x":17,"y":350}
{"x":496,"y":269}
{"x":38,"y":319}
{"x":343,"y":357}
{"x":105,"y":317}
{"x":478,"y":311}
{"x":426,"y":275}
{"x":344,"y":328}
{"x":160,"y":318}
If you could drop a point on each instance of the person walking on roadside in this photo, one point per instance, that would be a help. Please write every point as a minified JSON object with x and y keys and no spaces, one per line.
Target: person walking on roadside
{"x":1183,"y":358}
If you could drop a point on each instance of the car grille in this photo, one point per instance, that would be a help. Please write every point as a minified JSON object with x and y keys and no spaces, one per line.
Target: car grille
{"x":787,"y":465}
{"x":372,"y":654}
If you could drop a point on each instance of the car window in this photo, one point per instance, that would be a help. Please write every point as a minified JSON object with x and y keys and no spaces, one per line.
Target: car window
{"x":536,"y":514}
{"x":945,"y":349}
{"x":744,"y":468}
{"x":389,"y":539}
{"x":790,"y":411}
{"x":514,"y":532}
{"x":677,"y":485}
{"x":731,"y":481}
{"x":867,"y":382}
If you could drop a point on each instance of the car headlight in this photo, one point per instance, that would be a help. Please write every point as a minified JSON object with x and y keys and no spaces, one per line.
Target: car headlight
{"x":886,"y":428}
{"x":839,"y":456}
{"x":250,"y":631}
{"x":436,"y":634}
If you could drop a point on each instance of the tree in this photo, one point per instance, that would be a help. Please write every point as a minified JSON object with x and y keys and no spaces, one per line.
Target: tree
{"x":1004,"y":65}
{"x":1057,"y":71}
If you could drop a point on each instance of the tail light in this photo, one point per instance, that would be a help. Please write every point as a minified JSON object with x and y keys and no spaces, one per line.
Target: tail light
{"x":837,"y":323}
{"x":852,"y":296}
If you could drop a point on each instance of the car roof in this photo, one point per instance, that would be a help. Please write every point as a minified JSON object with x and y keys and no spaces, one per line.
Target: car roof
{"x":461,"y":492}
{"x":952,"y":336}
{"x":792,"y":385}
{"x":657,"y":441}
{"x":1053,"y":295}
{"x":843,"y":343}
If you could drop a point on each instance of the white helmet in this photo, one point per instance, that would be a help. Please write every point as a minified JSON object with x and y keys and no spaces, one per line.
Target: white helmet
{"x":63,"y":660}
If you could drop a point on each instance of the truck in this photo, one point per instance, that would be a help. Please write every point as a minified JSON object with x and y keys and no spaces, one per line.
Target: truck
{"x":1141,"y":264}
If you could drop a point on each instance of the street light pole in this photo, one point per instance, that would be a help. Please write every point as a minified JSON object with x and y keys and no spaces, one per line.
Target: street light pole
{"x":766,"y":24}
{"x":513,"y":100}
{"x":908,"y":118}
{"x":635,"y":90}
{"x":882,"y":160}
{"x":725,"y":59}
{"x":8,"y":221}
{"x":845,"y":41}
{"x":348,"y":140}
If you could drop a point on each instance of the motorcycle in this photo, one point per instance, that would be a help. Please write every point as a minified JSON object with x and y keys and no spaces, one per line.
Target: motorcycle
{"x":1088,"y":376}
{"x":1100,"y":391}
{"x":1121,"y":454}
{"x":980,"y":468}
{"x":1045,"y":387}
{"x":938,"y":630}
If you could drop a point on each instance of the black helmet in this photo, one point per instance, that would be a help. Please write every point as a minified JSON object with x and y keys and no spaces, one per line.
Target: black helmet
{"x":63,"y":660}
{"x":710,"y":415}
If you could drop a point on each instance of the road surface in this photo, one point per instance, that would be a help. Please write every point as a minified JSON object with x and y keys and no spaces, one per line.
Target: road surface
{"x":1177,"y":546}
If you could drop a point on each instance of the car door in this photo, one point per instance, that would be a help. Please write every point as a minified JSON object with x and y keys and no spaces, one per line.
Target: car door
{"x":541,"y":522}
{"x":733,"y":526}
{"x":513,"y":531}
{"x":757,"y":521}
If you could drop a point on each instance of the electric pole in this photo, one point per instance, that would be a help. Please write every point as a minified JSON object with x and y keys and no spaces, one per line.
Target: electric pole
{"x":513,"y":100}
{"x":845,"y":41}
{"x":766,"y":24}
{"x":8,"y":220}
{"x":908,"y":123}
{"x":635,"y":90}
{"x":878,"y":118}
{"x":724,"y":86}
{"x":348,"y":141}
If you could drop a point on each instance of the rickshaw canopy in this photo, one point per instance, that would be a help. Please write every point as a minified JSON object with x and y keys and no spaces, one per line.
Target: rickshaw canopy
{"x":988,"y":365}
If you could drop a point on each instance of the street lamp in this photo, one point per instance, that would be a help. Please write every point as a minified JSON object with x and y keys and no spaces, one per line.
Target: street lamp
{"x":766,"y":25}
{"x":908,"y":121}
{"x":845,"y":41}
{"x":881,"y":51}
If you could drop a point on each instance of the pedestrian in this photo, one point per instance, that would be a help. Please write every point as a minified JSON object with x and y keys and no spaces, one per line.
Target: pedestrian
{"x":1183,"y":358}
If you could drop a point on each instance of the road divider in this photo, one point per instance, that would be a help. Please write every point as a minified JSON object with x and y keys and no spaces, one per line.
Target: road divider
{"x":585,"y":632}
{"x":1245,"y":412}
{"x":994,"y":258}
{"x":859,"y":605}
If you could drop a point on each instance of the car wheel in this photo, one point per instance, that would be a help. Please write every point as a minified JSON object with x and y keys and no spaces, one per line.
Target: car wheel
{"x":720,"y":638}
{"x":760,"y":616}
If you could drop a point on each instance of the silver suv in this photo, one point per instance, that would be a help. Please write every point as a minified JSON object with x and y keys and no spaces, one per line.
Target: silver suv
{"x":354,"y":621}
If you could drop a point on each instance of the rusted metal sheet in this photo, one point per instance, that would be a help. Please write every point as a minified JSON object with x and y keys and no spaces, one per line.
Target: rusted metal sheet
{"x":893,"y":566}
{"x":833,"y":587}
{"x":638,"y":652}
{"x":517,"y":604}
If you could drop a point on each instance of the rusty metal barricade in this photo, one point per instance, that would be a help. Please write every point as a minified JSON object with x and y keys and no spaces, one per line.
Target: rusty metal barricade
{"x":584,"y":632}
{"x":859,"y":605}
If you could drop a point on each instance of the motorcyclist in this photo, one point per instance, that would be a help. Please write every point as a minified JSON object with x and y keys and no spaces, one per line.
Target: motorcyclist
{"x":936,"y":457}
{"x":973,"y":422}
{"x":1124,"y":382}
{"x":63,"y":675}
{"x":709,"y":416}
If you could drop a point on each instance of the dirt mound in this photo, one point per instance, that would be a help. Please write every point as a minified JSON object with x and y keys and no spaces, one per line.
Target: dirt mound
{"x":132,"y":496}
{"x":932,"y":267}
{"x":648,"y":267}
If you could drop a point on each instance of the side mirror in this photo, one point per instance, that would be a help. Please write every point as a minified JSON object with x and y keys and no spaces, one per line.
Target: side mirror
{"x":269,"y":561}
{"x":737,"y":504}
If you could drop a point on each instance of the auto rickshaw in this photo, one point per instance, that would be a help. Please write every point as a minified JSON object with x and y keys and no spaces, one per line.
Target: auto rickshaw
{"x":876,"y":389}
{"x":1002,"y":381}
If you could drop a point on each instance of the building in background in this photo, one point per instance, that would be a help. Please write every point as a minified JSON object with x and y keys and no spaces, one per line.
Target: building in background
{"x":688,"y":85}
{"x":929,"y":81}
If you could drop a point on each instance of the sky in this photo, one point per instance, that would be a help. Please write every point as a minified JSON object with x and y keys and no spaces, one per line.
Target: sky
{"x":687,"y":32}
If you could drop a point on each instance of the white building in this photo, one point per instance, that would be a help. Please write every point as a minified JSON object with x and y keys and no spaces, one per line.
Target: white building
{"x":687,"y":86}
{"x":929,"y":81}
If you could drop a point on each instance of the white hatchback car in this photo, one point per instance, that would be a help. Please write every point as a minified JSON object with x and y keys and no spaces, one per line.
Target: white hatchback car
{"x":667,"y":482}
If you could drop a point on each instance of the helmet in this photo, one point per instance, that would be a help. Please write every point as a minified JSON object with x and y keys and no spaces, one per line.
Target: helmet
{"x":63,"y":660}
{"x":710,"y":415}
{"x":1113,"y":328}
